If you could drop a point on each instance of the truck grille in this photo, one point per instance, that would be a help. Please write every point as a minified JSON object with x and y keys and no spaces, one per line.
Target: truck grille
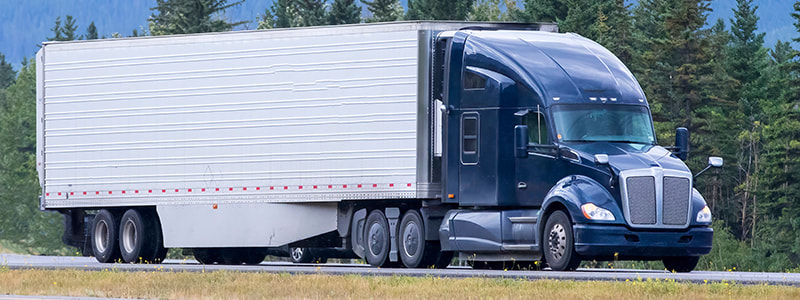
{"x":642,"y":199}
{"x":649,"y":205}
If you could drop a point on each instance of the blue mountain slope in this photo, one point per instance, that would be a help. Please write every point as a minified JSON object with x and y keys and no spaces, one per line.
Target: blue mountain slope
{"x":26,"y":23}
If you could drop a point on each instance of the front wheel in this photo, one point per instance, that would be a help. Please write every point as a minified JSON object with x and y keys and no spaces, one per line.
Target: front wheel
{"x":681,"y":264}
{"x":305,"y":255}
{"x":559,"y":243}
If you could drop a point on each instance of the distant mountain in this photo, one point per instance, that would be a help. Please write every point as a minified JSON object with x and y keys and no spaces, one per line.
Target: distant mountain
{"x":26,"y":23}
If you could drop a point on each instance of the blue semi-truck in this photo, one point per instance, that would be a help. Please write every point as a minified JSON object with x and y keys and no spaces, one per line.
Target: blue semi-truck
{"x":509,"y":145}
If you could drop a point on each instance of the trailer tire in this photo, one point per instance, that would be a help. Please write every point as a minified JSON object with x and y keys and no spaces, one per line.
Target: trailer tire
{"x":207,"y":256}
{"x":138,"y":237}
{"x":680,"y":264}
{"x":155,"y":233}
{"x":377,"y":239}
{"x":105,"y":246}
{"x":559,"y":243}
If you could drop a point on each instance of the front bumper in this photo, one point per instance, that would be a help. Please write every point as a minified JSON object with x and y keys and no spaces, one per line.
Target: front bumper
{"x":604,"y":242}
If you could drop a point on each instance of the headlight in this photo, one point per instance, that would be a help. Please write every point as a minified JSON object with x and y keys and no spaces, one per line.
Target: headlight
{"x":704,"y":216}
{"x":592,"y":212}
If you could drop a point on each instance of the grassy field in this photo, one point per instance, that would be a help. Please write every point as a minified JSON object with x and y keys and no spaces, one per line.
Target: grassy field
{"x":223,"y":284}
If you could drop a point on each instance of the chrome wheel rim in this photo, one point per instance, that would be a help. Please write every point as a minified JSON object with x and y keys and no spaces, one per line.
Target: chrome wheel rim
{"x":557,"y":241}
{"x":411,"y":239}
{"x":101,"y":236}
{"x":375,"y":239}
{"x":297,"y":254}
{"x":129,"y":238}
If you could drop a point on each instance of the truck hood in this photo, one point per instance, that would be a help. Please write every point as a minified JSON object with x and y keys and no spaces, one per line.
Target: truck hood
{"x":628,"y":156}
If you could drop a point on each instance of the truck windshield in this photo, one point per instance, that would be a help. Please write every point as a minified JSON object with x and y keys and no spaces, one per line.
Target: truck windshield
{"x":603,"y":123}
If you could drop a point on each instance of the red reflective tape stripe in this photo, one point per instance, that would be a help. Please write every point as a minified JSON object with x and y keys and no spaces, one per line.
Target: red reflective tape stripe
{"x":176,"y":190}
{"x":374,"y":185}
{"x":244,"y":188}
{"x":315,"y":187}
{"x":271,"y":188}
{"x":109,"y":192}
{"x":258,"y":188}
{"x":72,"y":193}
{"x":217,"y":189}
{"x":330,"y":186}
{"x":301,"y":187}
{"x":84,"y":193}
{"x":150,"y":191}
{"x":285,"y":187}
{"x":136,"y":191}
{"x":391,"y":185}
{"x":48,"y":194}
{"x":409,"y":185}
{"x":230,"y":189}
{"x":344,"y":186}
{"x":203,"y":190}
{"x":190,"y":190}
{"x":163,"y":191}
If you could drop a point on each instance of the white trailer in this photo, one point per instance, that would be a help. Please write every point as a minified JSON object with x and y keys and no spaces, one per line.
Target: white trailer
{"x":233,"y":140}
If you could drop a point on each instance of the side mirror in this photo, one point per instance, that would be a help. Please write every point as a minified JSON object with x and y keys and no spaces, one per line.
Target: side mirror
{"x":521,"y":141}
{"x":715,"y":161}
{"x":682,"y":143}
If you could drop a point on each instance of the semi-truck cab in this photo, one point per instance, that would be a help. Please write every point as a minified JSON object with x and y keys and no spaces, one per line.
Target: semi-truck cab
{"x":401,"y":143}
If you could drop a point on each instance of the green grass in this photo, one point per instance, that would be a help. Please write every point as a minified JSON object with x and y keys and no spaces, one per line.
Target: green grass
{"x":162,"y":284}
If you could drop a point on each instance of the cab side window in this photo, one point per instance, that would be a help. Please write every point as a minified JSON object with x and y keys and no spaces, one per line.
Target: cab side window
{"x":537,"y":128}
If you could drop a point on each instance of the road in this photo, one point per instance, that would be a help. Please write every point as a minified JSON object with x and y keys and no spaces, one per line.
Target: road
{"x":13,"y":261}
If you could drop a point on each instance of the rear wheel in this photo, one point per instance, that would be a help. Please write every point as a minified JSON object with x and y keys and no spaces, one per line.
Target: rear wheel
{"x":105,"y":244}
{"x":136,"y":238}
{"x":559,"y":243}
{"x":377,"y":238}
{"x":207,"y":256}
{"x":414,"y":250}
{"x":681,"y":264}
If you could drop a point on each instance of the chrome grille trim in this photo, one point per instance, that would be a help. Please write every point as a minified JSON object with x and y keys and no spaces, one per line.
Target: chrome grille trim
{"x":656,"y":198}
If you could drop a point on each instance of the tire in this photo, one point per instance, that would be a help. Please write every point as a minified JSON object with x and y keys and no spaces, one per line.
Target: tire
{"x":681,"y":264}
{"x":413,"y":250}
{"x":137,"y":237}
{"x":157,"y":237}
{"x":377,"y":239}
{"x":302,"y":255}
{"x":207,"y":256}
{"x":559,"y":243}
{"x":105,"y":245}
{"x":253,"y":256}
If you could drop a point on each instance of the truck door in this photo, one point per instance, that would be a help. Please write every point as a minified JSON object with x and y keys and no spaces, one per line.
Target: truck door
{"x":538,"y":172}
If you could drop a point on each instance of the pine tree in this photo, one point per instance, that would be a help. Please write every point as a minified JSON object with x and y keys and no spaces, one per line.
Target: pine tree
{"x":91,"y":32}
{"x":438,"y":9}
{"x":7,"y":73}
{"x":311,"y":13}
{"x":746,"y":58}
{"x":190,"y":16}
{"x":344,"y":12}
{"x":20,"y":219}
{"x":282,"y":14}
{"x":553,"y":11}
{"x":69,"y":29}
{"x":58,"y":34}
{"x":384,"y":10}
